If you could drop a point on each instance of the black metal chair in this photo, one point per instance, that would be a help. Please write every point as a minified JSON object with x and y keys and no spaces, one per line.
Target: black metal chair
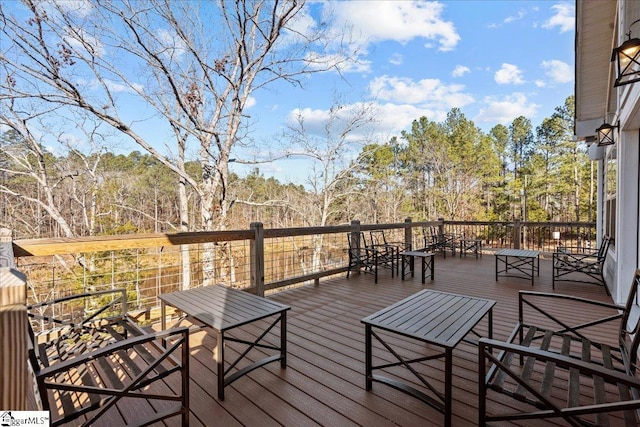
{"x":379,"y":240}
{"x":361,"y":258}
{"x":88,"y":355}
{"x":555,"y":367}
{"x":386,"y":255}
{"x":571,"y":264}
{"x":436,"y":241}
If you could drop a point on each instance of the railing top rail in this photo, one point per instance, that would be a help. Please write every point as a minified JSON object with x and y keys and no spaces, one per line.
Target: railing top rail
{"x":527,"y":223}
{"x":59,"y":246}
{"x":368,"y":227}
{"x":305,"y":231}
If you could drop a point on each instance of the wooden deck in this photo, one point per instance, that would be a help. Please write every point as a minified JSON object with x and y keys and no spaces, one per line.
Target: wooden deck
{"x":324,"y":382}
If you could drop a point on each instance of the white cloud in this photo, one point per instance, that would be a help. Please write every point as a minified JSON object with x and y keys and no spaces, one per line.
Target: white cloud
{"x":396,"y":59}
{"x":174,"y":47}
{"x":81,"y":42}
{"x":563,"y":18}
{"x":321,"y":61}
{"x":540,"y":83}
{"x":426,"y":93}
{"x":400,"y":21}
{"x":521,"y":14}
{"x":251,"y":101}
{"x":81,"y":8}
{"x":504,"y":110}
{"x":390,"y":119}
{"x":299,"y":28}
{"x":116,"y":87}
{"x":509,"y":74}
{"x":460,"y":71}
{"x":558,"y":71}
{"x":395,"y":118}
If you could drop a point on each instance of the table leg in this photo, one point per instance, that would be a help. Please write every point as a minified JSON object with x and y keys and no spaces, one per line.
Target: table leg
{"x":367,"y":358}
{"x":447,"y":386}
{"x":433,"y":266}
{"x":283,"y":339}
{"x":163,"y":312}
{"x":491,"y":323}
{"x":496,"y":268}
{"x":163,"y":320}
{"x":413,"y":266}
{"x":533,"y":268}
{"x":424,"y":268}
{"x":219,"y":359}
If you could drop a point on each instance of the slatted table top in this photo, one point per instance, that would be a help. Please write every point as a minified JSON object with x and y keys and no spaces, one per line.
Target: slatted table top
{"x":518,"y":253}
{"x":436,"y":317}
{"x":222,"y":308}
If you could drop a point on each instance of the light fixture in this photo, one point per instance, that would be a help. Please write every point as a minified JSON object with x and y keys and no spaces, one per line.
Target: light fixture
{"x":627,"y":58}
{"x":605,"y":134}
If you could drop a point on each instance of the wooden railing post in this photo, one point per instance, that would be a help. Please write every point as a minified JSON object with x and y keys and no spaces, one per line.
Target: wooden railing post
{"x":516,"y":233}
{"x":13,"y":329}
{"x":355,"y":232}
{"x":256,"y":246}
{"x":441,"y":226}
{"x":408,"y":234}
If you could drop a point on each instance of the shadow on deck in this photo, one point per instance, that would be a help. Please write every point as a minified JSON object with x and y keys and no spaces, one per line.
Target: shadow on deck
{"x":324,"y":382}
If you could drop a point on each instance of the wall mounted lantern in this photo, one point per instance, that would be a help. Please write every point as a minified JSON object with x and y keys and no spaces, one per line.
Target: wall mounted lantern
{"x":605,"y":134}
{"x":627,"y":58}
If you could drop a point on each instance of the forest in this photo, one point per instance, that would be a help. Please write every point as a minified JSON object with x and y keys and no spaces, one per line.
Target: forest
{"x":66,"y":66}
{"x":448,"y":170}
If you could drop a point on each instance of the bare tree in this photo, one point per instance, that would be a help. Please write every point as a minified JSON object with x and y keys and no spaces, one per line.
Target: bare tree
{"x":192,"y":65}
{"x":333,"y":147}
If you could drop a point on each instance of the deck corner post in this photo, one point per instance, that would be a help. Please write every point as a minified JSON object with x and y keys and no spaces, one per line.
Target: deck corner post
{"x":355,"y":231}
{"x":6,"y":248}
{"x":441,"y":226}
{"x":516,"y":233}
{"x":257,"y":258}
{"x":408,"y":234}
{"x":13,"y":329}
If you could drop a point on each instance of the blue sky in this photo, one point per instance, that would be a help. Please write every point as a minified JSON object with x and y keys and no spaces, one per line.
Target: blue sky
{"x":495,"y":60}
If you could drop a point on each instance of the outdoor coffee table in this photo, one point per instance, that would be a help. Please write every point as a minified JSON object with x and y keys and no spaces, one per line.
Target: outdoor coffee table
{"x":223,"y":309}
{"x":473,"y":246}
{"x":437,"y":318}
{"x":408,"y":260}
{"x":524,"y":261}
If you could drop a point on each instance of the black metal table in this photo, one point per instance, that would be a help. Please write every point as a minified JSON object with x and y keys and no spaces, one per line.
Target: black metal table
{"x":408,"y":261}
{"x":524,"y":261}
{"x":224,"y":309}
{"x":473,"y":246}
{"x":437,"y":318}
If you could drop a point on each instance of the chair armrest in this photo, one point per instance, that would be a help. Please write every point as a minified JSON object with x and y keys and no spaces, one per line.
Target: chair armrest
{"x":524,"y":294}
{"x":103,"y":308}
{"x":585,"y":368}
{"x":107,"y":350}
{"x":528,"y":299}
{"x":76,"y":296}
{"x":576,"y":250}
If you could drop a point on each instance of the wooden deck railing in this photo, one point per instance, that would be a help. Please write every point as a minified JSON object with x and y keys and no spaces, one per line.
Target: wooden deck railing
{"x":256,"y":259}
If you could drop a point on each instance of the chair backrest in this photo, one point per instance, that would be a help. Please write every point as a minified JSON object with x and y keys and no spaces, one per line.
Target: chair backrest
{"x":630,"y":326}
{"x":604,"y":247}
{"x":428,"y":235}
{"x":378,"y":237}
{"x":356,"y":244}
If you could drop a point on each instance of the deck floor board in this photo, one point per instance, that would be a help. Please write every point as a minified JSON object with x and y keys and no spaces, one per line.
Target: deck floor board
{"x":324,"y":382}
